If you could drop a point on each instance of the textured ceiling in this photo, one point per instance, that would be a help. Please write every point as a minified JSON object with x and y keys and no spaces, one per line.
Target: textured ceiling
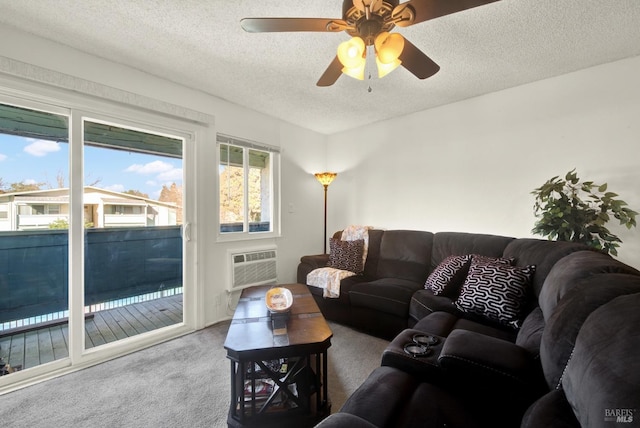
{"x":199,"y":43}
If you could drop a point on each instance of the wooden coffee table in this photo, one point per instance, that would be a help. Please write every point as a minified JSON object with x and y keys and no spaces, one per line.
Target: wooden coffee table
{"x":278,"y":365}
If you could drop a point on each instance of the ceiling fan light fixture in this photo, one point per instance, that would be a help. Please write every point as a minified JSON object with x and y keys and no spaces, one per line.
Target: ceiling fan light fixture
{"x":357,"y":72}
{"x":386,"y":68}
{"x":389,"y":47}
{"x":351,"y":55}
{"x":351,"y":52}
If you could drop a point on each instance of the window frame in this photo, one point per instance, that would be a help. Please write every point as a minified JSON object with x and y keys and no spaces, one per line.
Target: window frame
{"x":274,"y":183}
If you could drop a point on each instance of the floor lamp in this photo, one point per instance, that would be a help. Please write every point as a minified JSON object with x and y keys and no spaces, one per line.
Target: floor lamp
{"x":325,"y":178}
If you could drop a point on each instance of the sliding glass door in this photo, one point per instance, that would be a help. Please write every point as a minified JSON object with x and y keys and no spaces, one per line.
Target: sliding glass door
{"x":132,"y":217}
{"x":94,"y":235}
{"x":34,"y":207}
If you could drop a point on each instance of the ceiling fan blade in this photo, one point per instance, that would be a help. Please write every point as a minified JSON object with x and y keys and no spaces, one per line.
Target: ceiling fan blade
{"x":331,"y":74}
{"x":414,"y":60}
{"x":423,"y":10}
{"x":266,"y":25}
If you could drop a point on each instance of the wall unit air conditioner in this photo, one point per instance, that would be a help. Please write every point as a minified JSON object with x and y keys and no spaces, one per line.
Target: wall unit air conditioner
{"x":252,"y":267}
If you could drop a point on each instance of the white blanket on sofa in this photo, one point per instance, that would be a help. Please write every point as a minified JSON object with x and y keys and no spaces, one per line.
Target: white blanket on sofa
{"x":329,"y":278}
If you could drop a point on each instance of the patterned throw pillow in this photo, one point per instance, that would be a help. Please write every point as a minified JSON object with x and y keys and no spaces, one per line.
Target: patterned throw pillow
{"x":486,"y":259}
{"x":496,"y":291}
{"x":447,"y":277}
{"x":346,"y":255}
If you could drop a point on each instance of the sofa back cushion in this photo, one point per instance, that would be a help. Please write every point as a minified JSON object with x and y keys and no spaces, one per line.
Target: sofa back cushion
{"x":446,"y":244}
{"x":543,"y":254}
{"x":404,"y":254}
{"x":564,"y":323}
{"x":568,"y":272}
{"x":602,"y":380}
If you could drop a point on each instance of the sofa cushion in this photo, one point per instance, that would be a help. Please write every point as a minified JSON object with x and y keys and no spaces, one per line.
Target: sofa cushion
{"x":542,"y":253}
{"x":390,"y":397}
{"x":496,"y":291}
{"x":381,"y":397}
{"x":562,"y":327}
{"x":424,"y":302}
{"x":470,"y":356}
{"x":388,"y":295}
{"x":551,"y":410}
{"x":448,"y":276}
{"x":568,"y":272}
{"x":602,"y":379}
{"x":405,"y":254}
{"x":530,"y":334}
{"x":446,"y":244}
{"x":443,"y":323}
{"x":346,"y":255}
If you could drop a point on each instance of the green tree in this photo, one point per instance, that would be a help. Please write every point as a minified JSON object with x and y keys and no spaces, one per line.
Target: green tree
{"x":24,"y":187}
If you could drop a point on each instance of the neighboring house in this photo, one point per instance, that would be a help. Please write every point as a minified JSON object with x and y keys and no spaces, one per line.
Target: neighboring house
{"x":102,"y":208}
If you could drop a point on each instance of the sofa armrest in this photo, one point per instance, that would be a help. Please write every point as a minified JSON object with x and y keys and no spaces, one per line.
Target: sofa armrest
{"x":309,"y":263}
{"x":475,"y":357}
{"x":315,"y":261}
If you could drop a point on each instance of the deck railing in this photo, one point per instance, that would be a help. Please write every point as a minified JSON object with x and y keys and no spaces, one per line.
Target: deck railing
{"x":118,"y":263}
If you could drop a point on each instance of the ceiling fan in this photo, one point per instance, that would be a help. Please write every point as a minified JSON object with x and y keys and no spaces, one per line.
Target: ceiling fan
{"x":370,"y":22}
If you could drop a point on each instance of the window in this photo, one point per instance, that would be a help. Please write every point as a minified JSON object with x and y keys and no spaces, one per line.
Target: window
{"x":123,"y":209}
{"x":53,"y":209}
{"x":246,"y":186}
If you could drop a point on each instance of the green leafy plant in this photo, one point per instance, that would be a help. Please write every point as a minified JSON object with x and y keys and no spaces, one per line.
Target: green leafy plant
{"x":570,"y":210}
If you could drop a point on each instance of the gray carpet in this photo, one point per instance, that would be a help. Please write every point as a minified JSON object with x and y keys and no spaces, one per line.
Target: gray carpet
{"x":180,"y":383}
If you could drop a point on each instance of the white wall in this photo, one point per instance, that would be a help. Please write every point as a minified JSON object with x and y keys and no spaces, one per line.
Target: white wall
{"x":471,"y":166}
{"x":303,"y":153}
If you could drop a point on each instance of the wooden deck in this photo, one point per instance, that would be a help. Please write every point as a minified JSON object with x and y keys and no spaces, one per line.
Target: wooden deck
{"x":32,"y":347}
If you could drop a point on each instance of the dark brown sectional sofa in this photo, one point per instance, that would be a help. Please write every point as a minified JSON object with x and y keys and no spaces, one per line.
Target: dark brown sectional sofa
{"x":573,"y":360}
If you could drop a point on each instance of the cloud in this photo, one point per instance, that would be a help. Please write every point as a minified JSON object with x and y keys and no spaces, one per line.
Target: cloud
{"x":172,"y":175}
{"x":41,"y":148}
{"x":155,"y":167}
{"x":2,"y":157}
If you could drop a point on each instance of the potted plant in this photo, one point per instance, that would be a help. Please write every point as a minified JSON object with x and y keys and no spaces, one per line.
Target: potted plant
{"x":570,"y":210}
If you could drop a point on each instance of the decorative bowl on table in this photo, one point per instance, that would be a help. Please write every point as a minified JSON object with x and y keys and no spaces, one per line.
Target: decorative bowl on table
{"x":279,"y":299}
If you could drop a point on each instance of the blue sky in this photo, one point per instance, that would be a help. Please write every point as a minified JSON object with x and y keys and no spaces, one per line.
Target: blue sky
{"x":40,"y":161}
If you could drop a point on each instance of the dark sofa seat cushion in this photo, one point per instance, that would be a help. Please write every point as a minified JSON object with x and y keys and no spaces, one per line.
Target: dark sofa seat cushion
{"x":443,"y":323}
{"x":388,"y":295}
{"x":424,"y":302}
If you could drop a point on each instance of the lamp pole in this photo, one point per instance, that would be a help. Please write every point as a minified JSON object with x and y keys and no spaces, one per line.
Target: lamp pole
{"x":325,"y":178}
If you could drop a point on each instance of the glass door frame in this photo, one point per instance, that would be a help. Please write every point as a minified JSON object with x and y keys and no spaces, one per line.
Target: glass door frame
{"x":76,"y":106}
